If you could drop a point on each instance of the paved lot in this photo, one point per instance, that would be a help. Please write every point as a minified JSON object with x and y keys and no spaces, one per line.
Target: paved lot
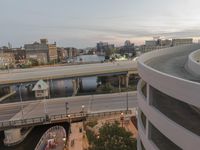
{"x":173,"y":64}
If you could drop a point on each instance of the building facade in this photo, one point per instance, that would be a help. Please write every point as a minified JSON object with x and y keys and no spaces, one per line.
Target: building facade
{"x":103,"y":48}
{"x":42,"y":52}
{"x":168,"y":97}
{"x":7,"y":57}
{"x":176,"y":42}
{"x":127,"y":49}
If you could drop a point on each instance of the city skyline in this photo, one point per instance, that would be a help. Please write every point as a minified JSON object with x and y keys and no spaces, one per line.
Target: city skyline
{"x":84,"y":23}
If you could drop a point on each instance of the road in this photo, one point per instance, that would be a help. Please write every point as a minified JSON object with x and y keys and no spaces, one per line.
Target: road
{"x":96,"y":103}
{"x":58,"y":72}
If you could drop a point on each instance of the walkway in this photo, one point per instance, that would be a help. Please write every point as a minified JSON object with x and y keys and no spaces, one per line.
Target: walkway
{"x":76,"y":136}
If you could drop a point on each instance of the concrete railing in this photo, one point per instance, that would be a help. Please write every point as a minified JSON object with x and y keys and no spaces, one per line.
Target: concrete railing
{"x":56,"y":118}
{"x":193,"y":63}
{"x":158,"y":79}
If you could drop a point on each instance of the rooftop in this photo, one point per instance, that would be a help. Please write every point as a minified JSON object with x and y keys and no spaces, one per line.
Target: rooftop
{"x":174,"y":63}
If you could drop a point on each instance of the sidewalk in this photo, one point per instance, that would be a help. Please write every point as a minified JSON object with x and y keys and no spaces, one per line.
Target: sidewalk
{"x":76,"y":136}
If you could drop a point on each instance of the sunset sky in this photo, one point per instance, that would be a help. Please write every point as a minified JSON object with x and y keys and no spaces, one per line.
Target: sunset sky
{"x":82,"y":23}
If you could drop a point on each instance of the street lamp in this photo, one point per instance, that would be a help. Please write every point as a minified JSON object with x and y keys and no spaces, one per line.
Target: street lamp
{"x":64,"y":140}
{"x":122,"y":118}
{"x":82,"y":108}
{"x":69,"y":123}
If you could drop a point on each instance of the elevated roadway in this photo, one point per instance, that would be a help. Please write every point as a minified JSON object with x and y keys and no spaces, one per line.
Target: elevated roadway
{"x":59,"y":72}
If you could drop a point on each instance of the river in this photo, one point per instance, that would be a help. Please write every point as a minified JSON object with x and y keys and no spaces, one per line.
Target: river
{"x":62,"y":87}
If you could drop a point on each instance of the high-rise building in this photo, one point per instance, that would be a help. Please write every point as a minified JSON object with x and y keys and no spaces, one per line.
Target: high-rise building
{"x":168,"y":99}
{"x":127,"y":49}
{"x":104,"y":47}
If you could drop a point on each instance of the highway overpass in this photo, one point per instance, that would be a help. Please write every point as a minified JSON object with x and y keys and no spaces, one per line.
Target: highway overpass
{"x":59,"y":72}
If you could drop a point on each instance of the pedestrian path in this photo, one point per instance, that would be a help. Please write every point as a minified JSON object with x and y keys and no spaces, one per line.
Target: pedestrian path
{"x":76,"y":136}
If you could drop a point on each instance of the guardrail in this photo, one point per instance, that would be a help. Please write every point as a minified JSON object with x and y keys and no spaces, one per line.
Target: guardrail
{"x":48,"y":119}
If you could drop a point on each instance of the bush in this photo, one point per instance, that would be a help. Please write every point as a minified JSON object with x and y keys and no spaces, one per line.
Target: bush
{"x":33,"y":62}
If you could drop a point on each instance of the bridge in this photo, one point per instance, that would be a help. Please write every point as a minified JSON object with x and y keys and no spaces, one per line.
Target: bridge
{"x":123,"y":69}
{"x":15,"y":116}
{"x":30,"y":112}
{"x":59,"y":72}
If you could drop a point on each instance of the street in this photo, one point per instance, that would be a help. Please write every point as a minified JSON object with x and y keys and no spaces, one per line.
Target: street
{"x":95,"y":103}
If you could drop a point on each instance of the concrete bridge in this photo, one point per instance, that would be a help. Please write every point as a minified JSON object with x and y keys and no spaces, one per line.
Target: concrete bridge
{"x":123,"y":69}
{"x":15,"y":116}
{"x":59,"y":72}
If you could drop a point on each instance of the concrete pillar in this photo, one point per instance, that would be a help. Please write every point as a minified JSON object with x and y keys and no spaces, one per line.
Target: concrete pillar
{"x":75,"y":84}
{"x":119,"y":78}
{"x":139,"y":147}
{"x":29,"y":89}
{"x":12,"y":136}
{"x":7,"y":89}
{"x":80,"y":84}
{"x":123,"y":80}
{"x":127,"y":80}
{"x":148,"y":129}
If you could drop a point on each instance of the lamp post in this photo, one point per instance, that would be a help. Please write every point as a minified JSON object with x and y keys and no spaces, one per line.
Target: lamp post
{"x":64,"y":140}
{"x":82,"y":108}
{"x":122,"y":118}
{"x":69,"y":117}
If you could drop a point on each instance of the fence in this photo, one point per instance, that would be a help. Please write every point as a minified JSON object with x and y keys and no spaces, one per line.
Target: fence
{"x":57,"y":118}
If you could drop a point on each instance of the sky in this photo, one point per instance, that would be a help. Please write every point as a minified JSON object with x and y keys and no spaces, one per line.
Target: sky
{"x":83,"y":23}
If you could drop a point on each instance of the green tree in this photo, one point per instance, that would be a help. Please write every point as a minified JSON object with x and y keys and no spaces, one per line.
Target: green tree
{"x":33,"y":62}
{"x":109,"y":52}
{"x":114,"y":137}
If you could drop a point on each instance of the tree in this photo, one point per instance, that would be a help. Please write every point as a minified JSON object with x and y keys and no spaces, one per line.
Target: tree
{"x":109,"y":52}
{"x":33,"y":62}
{"x":114,"y":137}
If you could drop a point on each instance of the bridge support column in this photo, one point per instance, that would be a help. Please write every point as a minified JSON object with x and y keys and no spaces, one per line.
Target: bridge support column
{"x":119,"y":78}
{"x":12,"y":137}
{"x":29,"y":88}
{"x":127,"y":80}
{"x":123,"y":80}
{"x":80,"y":85}
{"x":76,"y":86}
